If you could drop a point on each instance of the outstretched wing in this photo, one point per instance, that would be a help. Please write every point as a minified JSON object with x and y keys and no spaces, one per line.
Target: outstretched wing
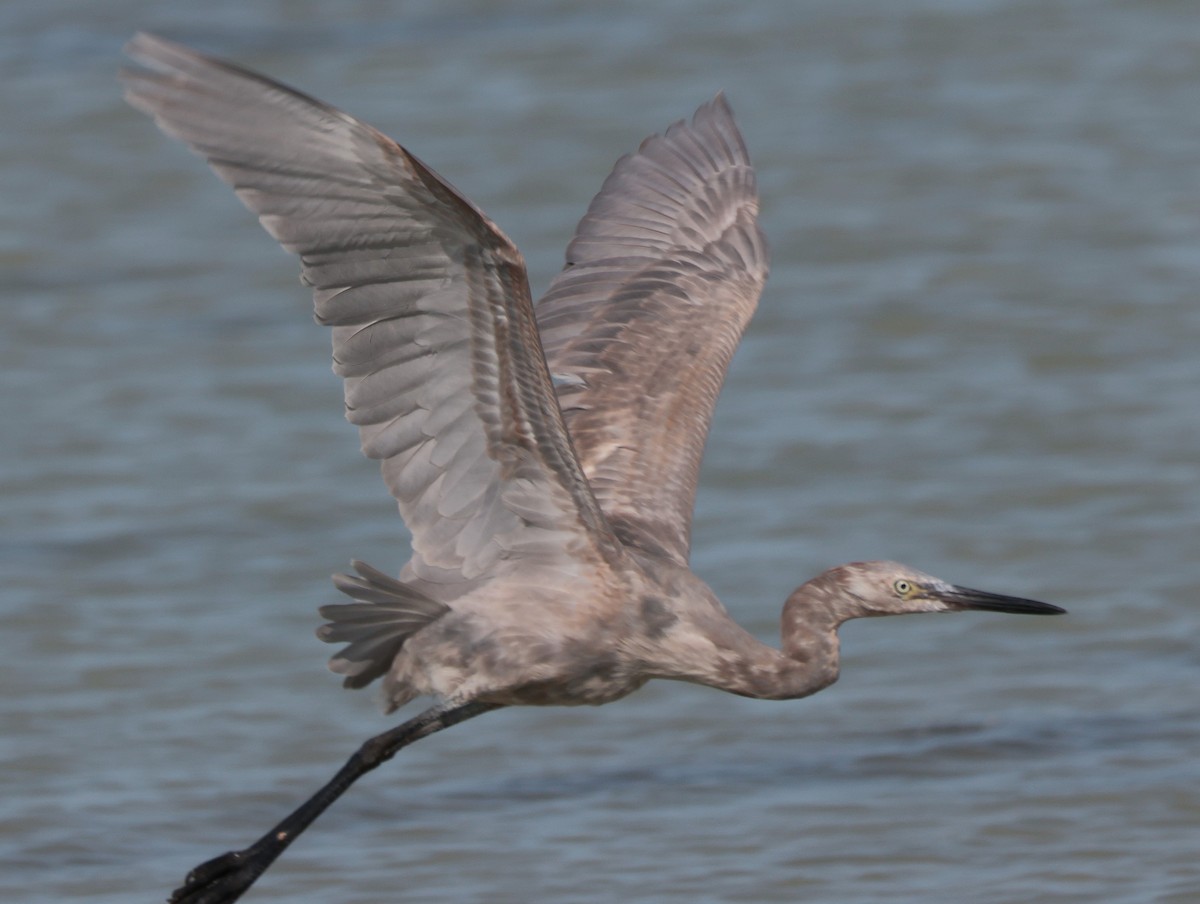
{"x":661,"y":279}
{"x":433,"y":328}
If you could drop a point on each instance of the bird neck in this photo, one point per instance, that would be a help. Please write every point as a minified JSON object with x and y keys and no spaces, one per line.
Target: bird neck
{"x":809,"y":627}
{"x":808,"y":661}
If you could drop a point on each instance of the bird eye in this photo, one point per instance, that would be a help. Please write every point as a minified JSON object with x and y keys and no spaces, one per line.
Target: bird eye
{"x":903,"y":587}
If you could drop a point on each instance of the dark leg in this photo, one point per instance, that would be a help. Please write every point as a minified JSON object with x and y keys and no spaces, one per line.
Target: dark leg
{"x":224,"y":879}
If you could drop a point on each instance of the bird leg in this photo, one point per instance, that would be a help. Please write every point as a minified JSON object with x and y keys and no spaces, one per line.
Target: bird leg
{"x":224,"y":879}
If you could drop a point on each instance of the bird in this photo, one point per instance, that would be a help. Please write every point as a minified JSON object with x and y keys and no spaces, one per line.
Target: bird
{"x":544,"y":457}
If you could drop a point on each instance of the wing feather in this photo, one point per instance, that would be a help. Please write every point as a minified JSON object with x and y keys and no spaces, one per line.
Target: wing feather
{"x":433,"y":327}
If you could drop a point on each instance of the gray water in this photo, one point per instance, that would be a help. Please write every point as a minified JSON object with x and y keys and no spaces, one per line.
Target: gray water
{"x":977,"y":354}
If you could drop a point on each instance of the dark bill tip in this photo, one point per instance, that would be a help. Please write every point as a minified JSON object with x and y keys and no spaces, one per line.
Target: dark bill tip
{"x":966,"y":598}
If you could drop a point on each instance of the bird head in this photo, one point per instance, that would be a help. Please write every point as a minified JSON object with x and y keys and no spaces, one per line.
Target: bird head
{"x":865,"y":589}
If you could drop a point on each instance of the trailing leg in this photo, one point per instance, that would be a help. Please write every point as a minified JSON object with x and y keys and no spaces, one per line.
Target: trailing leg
{"x":224,"y":879}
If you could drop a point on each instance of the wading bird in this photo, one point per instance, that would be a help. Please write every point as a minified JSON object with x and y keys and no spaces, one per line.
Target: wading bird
{"x":544,"y":458}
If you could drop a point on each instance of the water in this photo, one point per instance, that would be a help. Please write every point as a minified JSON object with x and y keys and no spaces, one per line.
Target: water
{"x":976,"y":354}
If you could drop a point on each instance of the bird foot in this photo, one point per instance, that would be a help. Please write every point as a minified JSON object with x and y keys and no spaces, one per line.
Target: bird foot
{"x":221,"y":880}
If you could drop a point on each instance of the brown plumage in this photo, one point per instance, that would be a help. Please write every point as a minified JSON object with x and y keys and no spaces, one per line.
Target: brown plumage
{"x":545,"y":459}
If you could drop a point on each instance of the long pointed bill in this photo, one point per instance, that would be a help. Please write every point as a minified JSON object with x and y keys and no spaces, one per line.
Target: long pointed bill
{"x":966,"y":598}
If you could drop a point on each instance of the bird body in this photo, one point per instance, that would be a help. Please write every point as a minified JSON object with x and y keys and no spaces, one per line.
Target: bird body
{"x":589,"y":636}
{"x":594,"y":636}
{"x":545,"y":459}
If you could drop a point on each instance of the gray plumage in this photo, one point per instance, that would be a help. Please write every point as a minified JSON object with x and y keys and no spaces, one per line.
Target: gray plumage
{"x":545,"y":510}
{"x":545,"y":460}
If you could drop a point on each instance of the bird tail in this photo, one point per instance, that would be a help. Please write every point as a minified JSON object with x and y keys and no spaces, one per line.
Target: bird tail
{"x":386,"y":614}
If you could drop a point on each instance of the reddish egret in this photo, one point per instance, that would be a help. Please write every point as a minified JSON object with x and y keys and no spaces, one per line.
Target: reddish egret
{"x":545,"y":459}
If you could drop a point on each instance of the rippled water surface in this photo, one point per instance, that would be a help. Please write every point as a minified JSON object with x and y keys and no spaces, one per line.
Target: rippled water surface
{"x":977,"y":354}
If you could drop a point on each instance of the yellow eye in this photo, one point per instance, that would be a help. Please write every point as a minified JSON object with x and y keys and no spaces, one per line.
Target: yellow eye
{"x":903,"y":587}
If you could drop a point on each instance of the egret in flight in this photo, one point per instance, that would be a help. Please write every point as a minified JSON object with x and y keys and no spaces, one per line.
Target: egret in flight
{"x":544,"y":457}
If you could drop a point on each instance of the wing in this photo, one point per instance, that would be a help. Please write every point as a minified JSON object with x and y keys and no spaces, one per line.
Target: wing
{"x":433,"y":328}
{"x":661,"y":279}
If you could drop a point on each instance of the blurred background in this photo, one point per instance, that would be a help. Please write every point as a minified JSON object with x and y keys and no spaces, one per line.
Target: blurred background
{"x":976,"y":354}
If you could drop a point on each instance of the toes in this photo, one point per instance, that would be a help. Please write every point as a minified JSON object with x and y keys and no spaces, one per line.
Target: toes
{"x":215,"y":881}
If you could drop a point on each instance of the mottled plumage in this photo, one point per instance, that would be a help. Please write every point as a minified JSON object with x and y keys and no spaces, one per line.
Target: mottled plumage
{"x":545,"y":460}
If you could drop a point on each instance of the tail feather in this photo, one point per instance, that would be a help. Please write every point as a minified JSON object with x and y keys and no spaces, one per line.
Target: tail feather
{"x":386,"y":614}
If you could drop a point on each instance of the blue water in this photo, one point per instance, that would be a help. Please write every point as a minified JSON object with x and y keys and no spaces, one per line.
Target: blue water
{"x":976,"y":354}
